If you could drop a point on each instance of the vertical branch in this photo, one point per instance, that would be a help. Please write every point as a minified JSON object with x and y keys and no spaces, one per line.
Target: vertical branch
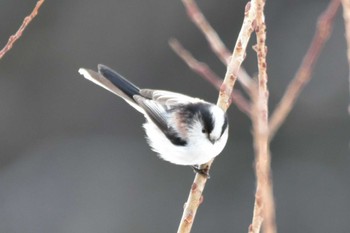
{"x":346,"y":15}
{"x":237,"y":58}
{"x":19,"y":32}
{"x":264,"y":207}
{"x":303,"y":75}
{"x":195,"y":196}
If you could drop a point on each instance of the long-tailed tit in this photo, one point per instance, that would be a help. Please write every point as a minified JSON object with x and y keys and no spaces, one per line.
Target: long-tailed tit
{"x":181,"y":129}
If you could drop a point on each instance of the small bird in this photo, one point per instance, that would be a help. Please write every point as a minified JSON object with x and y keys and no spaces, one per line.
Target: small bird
{"x":181,"y":129}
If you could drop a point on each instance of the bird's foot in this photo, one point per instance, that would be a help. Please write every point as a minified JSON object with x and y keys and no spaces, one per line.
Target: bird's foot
{"x":204,"y":171}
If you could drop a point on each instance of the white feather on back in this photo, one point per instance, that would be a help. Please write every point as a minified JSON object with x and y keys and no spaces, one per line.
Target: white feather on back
{"x":168,"y":98}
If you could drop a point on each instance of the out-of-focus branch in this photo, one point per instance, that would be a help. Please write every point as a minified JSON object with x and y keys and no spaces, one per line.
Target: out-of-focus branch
{"x":198,"y":67}
{"x":264,"y":207}
{"x":19,"y":32}
{"x":215,"y":43}
{"x":208,"y":74}
{"x":303,"y":75}
{"x":346,"y":15}
{"x":238,"y":55}
{"x":210,"y":34}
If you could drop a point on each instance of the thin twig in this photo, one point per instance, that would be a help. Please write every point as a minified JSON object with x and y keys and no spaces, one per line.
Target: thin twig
{"x":208,"y":31}
{"x":198,"y":67}
{"x":208,"y":74}
{"x":346,"y":15}
{"x":215,"y":43}
{"x":238,"y":55}
{"x":19,"y":32}
{"x":303,"y":75}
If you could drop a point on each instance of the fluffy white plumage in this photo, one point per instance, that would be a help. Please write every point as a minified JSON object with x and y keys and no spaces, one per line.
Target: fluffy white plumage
{"x":181,"y":129}
{"x":198,"y":150}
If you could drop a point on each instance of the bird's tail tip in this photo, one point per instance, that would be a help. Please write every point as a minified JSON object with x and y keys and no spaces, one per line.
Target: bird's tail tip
{"x":82,"y":71}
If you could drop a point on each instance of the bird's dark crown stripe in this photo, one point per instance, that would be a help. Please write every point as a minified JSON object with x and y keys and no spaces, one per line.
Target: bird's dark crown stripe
{"x":190,"y":111}
{"x":208,"y":120}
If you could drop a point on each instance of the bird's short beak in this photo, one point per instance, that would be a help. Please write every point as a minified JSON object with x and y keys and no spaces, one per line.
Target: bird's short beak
{"x":212,"y":140}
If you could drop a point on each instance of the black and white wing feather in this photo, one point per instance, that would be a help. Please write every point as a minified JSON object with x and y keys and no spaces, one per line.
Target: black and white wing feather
{"x":155,"y":111}
{"x":168,"y":98}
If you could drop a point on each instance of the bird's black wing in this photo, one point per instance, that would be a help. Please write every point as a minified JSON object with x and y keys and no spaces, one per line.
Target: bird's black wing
{"x":158,"y":115}
{"x":154,"y":111}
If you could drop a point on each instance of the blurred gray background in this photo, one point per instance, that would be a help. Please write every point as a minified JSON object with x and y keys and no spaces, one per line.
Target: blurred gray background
{"x":73,"y":157}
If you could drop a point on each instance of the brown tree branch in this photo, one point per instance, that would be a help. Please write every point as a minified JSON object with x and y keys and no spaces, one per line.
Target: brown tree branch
{"x":208,"y":74}
{"x":238,"y":55}
{"x":303,"y":75}
{"x":208,"y":31}
{"x":198,"y":67}
{"x":19,"y":32}
{"x":346,"y":15}
{"x":237,"y":58}
{"x":264,"y":207}
{"x":215,"y":43}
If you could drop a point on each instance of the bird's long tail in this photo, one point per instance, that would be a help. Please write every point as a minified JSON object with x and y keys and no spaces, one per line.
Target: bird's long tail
{"x":113,"y":82}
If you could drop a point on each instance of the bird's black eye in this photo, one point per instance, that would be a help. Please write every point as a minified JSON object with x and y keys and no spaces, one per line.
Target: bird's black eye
{"x":204,"y":131}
